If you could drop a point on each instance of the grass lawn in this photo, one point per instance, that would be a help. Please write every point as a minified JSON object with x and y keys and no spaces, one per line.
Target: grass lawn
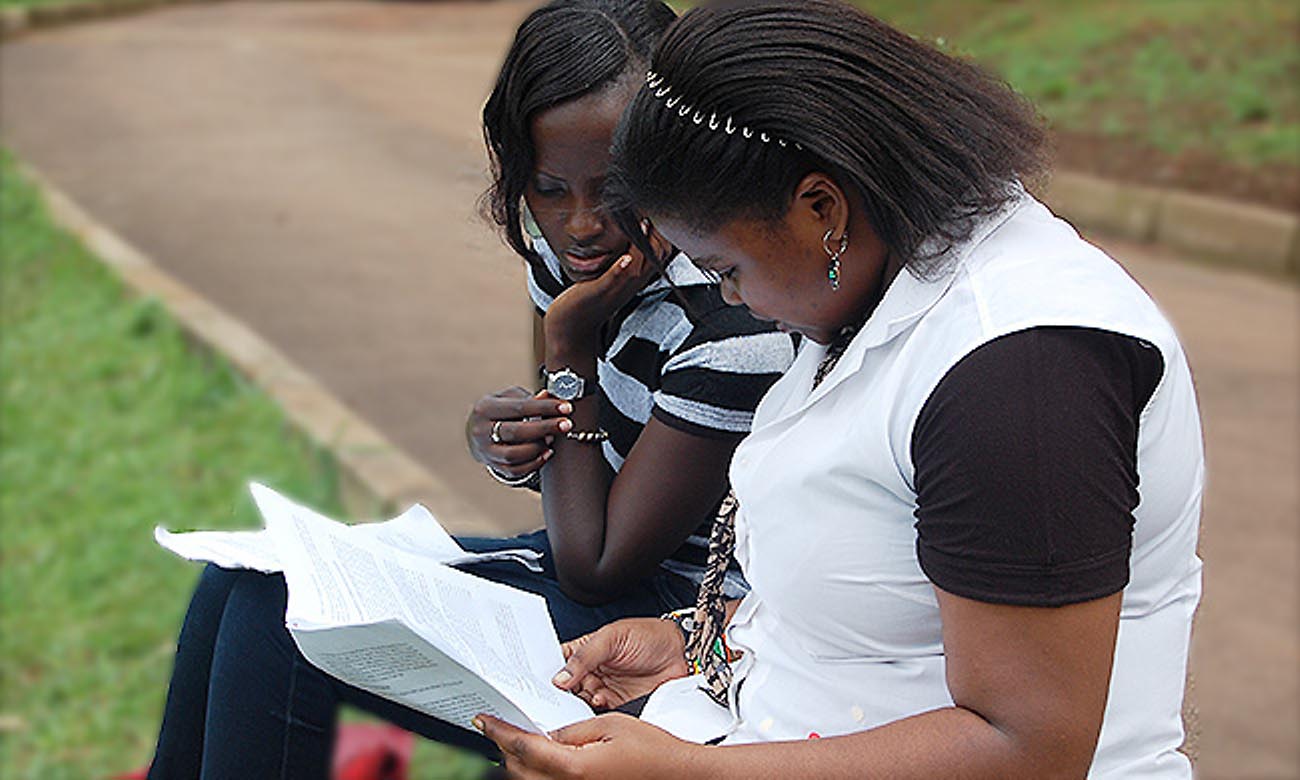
{"x":1195,"y":93}
{"x":1180,"y":75}
{"x":110,"y":424}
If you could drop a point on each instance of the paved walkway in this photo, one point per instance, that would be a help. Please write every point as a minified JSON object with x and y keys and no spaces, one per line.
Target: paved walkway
{"x":313,"y":169}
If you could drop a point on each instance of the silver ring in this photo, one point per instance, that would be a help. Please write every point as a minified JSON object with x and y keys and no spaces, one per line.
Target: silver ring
{"x":496,"y":432}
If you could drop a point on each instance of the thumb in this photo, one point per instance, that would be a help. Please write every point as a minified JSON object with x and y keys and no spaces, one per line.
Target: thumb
{"x":509,"y":738}
{"x":619,"y":269}
{"x":585,"y":732}
{"x":584,"y":655}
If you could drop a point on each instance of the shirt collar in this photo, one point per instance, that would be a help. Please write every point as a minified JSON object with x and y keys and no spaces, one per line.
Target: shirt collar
{"x":681,"y":272}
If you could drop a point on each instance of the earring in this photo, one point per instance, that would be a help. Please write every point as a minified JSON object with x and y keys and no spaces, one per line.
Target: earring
{"x":833,"y":270}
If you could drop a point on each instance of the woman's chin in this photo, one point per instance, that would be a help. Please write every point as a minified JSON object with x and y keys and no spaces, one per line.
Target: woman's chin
{"x":813,"y":335}
{"x":582,"y":276}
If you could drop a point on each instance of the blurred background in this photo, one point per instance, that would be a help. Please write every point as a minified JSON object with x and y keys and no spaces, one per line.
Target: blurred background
{"x":313,"y":167}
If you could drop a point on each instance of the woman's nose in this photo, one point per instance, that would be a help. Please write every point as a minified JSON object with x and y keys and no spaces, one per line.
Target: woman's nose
{"x":584,"y":224}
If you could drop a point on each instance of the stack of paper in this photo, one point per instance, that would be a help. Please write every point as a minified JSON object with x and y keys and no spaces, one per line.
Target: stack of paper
{"x":378,"y":606}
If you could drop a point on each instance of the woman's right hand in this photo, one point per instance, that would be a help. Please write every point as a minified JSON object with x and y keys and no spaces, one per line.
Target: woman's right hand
{"x":622,"y":661}
{"x":525,"y":425}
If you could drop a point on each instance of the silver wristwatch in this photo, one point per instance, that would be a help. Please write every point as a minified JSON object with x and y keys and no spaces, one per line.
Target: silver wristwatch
{"x":566,"y":385}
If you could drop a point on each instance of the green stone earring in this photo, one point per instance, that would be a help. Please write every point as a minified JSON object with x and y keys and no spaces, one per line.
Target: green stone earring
{"x":834,"y":253}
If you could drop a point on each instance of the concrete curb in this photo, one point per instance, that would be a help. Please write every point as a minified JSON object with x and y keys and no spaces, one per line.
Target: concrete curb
{"x":1212,"y":229}
{"x":375,"y":477}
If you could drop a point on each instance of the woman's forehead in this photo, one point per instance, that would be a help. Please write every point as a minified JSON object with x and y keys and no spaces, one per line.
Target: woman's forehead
{"x":579,"y":125}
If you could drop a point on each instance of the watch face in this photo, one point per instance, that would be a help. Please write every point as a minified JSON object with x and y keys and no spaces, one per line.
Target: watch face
{"x":566,"y":385}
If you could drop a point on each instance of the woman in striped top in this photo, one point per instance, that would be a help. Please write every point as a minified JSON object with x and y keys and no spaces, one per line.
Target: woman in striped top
{"x":631,"y":470}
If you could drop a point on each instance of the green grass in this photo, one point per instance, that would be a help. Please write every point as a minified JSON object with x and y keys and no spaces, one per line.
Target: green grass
{"x":109,"y":424}
{"x":1178,"y":76}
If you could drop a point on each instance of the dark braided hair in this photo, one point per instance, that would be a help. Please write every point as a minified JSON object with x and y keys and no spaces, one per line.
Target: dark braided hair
{"x":565,"y":50}
{"x":930,"y":142}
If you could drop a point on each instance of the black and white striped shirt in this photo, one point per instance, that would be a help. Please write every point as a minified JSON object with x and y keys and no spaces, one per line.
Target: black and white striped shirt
{"x":686,"y":357}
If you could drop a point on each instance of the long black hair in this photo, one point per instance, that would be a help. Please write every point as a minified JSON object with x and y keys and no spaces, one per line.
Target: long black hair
{"x":565,"y":50}
{"x":929,"y":141}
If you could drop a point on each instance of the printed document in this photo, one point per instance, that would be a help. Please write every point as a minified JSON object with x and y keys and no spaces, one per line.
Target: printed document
{"x":378,"y":606}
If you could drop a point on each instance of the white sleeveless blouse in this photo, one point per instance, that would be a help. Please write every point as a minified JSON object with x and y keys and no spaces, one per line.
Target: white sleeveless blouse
{"x":841,"y":631}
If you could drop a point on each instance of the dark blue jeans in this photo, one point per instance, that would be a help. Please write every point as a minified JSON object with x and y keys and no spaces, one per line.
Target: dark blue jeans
{"x":244,"y":703}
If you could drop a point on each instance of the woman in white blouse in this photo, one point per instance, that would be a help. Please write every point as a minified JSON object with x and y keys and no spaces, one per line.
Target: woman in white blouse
{"x":968,"y":513}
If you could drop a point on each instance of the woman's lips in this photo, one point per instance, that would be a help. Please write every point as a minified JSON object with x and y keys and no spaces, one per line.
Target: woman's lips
{"x":587,"y":264}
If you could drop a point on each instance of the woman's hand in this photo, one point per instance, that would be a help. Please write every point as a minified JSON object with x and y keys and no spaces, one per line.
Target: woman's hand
{"x":524,"y":423}
{"x":622,"y":661}
{"x":580,"y":311}
{"x":613,"y":746}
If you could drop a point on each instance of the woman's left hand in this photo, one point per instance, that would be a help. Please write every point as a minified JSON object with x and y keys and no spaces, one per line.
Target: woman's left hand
{"x":612,"y":745}
{"x":586,"y":306}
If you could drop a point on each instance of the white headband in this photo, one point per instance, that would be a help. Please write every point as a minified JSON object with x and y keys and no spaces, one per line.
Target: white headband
{"x":655,"y":83}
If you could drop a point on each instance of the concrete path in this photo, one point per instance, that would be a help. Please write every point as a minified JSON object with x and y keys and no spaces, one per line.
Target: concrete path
{"x":313,"y":168}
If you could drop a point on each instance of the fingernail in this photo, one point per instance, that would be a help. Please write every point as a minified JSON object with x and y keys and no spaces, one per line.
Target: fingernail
{"x":566,"y":408}
{"x":477,"y":723}
{"x":566,"y":425}
{"x":547,"y":455}
{"x":562,"y":678}
{"x":625,"y":262}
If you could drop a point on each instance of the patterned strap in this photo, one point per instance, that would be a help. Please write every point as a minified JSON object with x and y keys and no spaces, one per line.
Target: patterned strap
{"x":706,"y":651}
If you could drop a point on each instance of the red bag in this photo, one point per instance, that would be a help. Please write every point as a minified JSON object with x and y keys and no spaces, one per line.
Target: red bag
{"x":362,"y":751}
{"x":372,"y":751}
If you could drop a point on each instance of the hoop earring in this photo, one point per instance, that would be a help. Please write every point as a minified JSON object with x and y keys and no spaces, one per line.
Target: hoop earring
{"x":833,"y":270}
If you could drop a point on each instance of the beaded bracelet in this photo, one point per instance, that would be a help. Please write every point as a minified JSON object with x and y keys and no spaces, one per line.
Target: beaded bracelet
{"x":684,"y":619}
{"x":589,"y":437}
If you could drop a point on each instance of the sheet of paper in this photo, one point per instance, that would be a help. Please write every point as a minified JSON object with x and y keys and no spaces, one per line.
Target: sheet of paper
{"x":502,"y":635}
{"x":415,"y":531}
{"x":390,"y":660}
{"x":228,"y":549}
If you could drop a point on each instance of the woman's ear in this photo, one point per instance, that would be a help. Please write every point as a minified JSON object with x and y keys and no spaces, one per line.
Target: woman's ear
{"x":819,"y":205}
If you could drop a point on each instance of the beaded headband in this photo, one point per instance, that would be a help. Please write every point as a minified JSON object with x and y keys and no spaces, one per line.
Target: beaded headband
{"x":660,"y":90}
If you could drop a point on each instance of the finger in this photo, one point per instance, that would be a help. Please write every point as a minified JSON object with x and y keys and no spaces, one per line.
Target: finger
{"x":534,"y":430}
{"x":513,"y":455}
{"x":604,"y":699}
{"x":496,"y":408}
{"x":522,"y":469}
{"x":597,"y":694}
{"x":585,"y":732}
{"x":591,"y":684}
{"x":617,"y":273}
{"x":533,"y":752}
{"x":588,"y":654}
